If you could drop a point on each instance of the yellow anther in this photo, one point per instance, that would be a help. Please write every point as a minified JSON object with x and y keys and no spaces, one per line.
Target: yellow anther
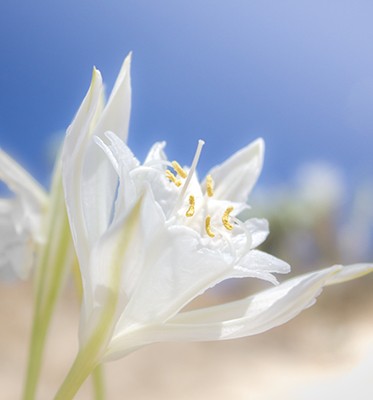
{"x":209,"y":186}
{"x":172,"y":178}
{"x":176,"y":166}
{"x":190,"y":210}
{"x":208,"y":227}
{"x":225,"y":218}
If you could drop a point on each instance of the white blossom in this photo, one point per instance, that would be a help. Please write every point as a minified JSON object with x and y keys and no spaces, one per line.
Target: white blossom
{"x":151,"y":237}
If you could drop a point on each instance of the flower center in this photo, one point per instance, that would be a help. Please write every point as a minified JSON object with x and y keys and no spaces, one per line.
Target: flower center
{"x":181,"y":179}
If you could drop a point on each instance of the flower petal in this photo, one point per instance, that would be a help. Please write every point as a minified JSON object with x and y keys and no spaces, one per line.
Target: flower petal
{"x":116,"y":115}
{"x":156,"y":155}
{"x":258,"y":264}
{"x":16,"y":246}
{"x":75,"y":144}
{"x":20,"y":181}
{"x":350,"y":272}
{"x":117,"y":263}
{"x":30,"y":196}
{"x":235,"y":178}
{"x":176,"y":269}
{"x":246,"y":317}
{"x":258,"y":230}
{"x":123,"y":162}
{"x":99,"y":180}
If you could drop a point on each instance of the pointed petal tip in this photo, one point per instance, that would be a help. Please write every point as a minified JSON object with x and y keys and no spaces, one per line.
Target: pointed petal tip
{"x":346,"y":273}
{"x":96,"y":76}
{"x":126,"y":66}
{"x":258,"y":145}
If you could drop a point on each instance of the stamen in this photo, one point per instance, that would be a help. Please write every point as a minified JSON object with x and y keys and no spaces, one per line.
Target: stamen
{"x":225,"y":218}
{"x":208,"y":227}
{"x":172,"y":178}
{"x":190,"y":210}
{"x":193,"y":167}
{"x":177,"y":167}
{"x":209,"y":186}
{"x":189,"y":177}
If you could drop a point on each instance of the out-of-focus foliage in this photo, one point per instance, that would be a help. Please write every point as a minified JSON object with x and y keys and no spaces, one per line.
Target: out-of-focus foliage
{"x":316,"y":219}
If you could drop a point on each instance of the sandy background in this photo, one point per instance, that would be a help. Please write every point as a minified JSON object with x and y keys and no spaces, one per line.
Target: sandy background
{"x":324,"y":341}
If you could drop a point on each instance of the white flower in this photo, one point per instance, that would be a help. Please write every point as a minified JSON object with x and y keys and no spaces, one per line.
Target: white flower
{"x":21,"y":219}
{"x":151,"y":237}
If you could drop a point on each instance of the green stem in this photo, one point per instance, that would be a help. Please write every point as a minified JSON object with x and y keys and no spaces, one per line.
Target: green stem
{"x":83,"y":365}
{"x":38,"y":335}
{"x":42,"y":317}
{"x":54,"y":257}
{"x":88,"y":357}
{"x":98,"y":383}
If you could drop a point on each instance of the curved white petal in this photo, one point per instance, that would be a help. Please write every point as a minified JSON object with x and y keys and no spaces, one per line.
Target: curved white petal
{"x":116,"y":115}
{"x":349,"y":272}
{"x":99,"y":180}
{"x":117,"y":152}
{"x":264,"y":310}
{"x":156,"y":156}
{"x":16,"y":246}
{"x":117,"y":263}
{"x":235,"y":178}
{"x":258,"y":230}
{"x":20,"y":181}
{"x":258,"y":264}
{"x":75,"y":144}
{"x":175,"y":270}
{"x":246,"y":317}
{"x":30,"y":195}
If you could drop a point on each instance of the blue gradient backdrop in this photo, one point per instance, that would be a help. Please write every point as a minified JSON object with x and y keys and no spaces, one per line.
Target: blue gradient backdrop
{"x":298,"y":73}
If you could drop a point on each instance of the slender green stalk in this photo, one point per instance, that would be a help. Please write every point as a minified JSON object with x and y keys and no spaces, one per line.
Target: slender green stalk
{"x":42,"y":318}
{"x":98,"y":383}
{"x":83,"y":365}
{"x":38,"y":335}
{"x":53,"y":261}
{"x":88,"y":357}
{"x":97,"y":376}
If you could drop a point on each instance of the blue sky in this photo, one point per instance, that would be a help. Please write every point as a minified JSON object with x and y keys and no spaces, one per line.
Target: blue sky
{"x":297,"y":73}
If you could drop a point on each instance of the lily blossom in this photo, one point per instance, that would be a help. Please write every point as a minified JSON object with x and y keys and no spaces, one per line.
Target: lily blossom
{"x":151,"y":237}
{"x":21,"y":219}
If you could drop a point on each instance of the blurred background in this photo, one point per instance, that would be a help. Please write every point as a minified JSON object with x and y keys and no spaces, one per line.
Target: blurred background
{"x":297,"y":73}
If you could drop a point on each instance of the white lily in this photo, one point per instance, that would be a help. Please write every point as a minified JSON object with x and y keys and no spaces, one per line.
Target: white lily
{"x":21,"y":219}
{"x":185,"y":238}
{"x":157,"y":238}
{"x":35,"y":237}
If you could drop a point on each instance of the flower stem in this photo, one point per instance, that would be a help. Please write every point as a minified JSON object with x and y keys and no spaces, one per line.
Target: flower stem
{"x":83,"y":365}
{"x":98,"y":383}
{"x":42,"y":317}
{"x":51,"y":268}
{"x":39,"y":330}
